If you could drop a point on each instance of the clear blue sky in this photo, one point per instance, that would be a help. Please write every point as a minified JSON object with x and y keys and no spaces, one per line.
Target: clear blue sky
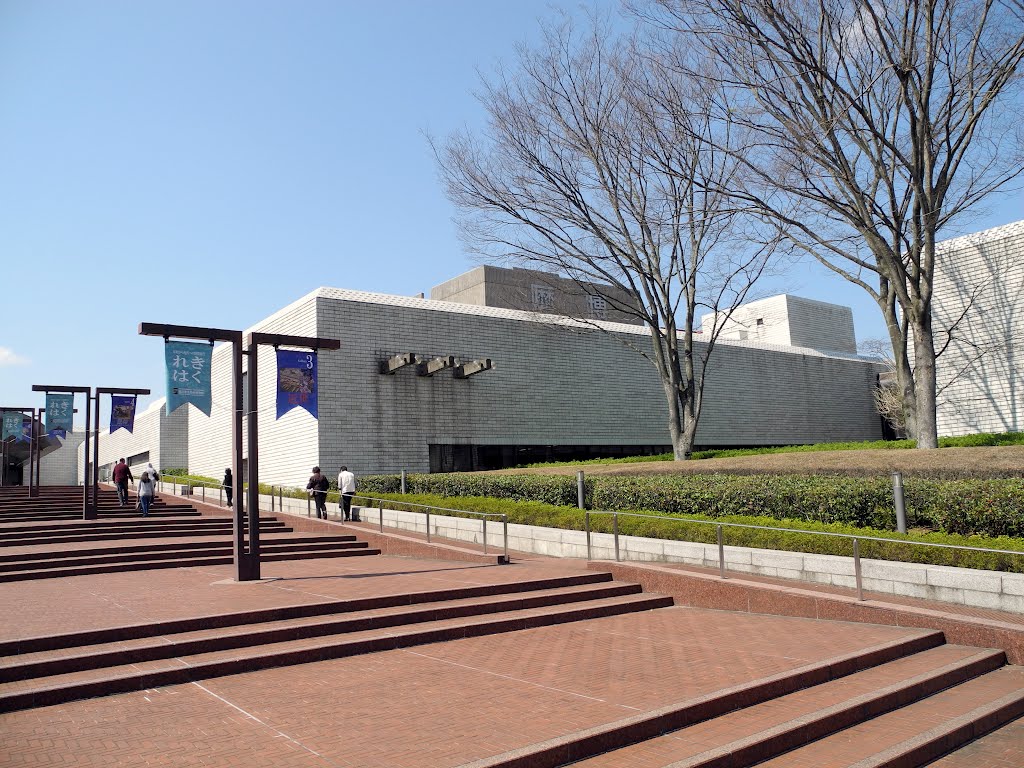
{"x":207,"y":163}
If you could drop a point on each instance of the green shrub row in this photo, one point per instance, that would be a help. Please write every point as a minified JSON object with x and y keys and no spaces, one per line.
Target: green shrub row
{"x":992,"y":507}
{"x":965,"y":441}
{"x":896,"y":547}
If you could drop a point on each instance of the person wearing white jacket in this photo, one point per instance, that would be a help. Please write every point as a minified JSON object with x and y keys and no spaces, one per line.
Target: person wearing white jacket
{"x":347,"y":489}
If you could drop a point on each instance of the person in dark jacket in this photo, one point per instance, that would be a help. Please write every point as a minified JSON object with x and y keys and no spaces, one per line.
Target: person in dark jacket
{"x":317,"y":487}
{"x":121,"y":475}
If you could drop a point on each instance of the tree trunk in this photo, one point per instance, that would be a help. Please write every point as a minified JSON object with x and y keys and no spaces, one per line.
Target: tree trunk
{"x":682,"y":437}
{"x":926,"y":432}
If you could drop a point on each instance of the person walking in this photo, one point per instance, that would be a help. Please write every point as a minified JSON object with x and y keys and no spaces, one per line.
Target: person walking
{"x":147,"y":490}
{"x":317,"y":487}
{"x":228,"y":484}
{"x":121,"y":475}
{"x":347,"y":488}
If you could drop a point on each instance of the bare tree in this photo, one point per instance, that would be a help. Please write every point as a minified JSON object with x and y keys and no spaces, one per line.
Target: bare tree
{"x":879,"y":125}
{"x":598,"y":165}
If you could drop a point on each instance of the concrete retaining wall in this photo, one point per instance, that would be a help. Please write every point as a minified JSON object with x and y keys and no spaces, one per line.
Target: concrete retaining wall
{"x":961,"y":586}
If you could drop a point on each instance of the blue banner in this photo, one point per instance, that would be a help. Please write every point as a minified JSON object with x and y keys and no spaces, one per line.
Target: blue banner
{"x":188,"y":375}
{"x":60,"y":411}
{"x":12,"y":424}
{"x":26,"y":430}
{"x":122,"y":412}
{"x":296,"y":382}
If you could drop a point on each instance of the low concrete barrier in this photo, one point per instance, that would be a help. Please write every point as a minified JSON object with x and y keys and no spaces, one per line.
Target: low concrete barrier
{"x":962,"y":586}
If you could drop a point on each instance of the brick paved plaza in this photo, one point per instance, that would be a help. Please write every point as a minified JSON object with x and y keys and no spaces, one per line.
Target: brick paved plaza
{"x":501,"y":698}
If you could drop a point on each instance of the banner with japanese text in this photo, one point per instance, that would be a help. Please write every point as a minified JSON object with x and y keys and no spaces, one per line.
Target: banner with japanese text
{"x":296,"y":382}
{"x":122,"y":412}
{"x":188,"y":375}
{"x":60,"y":410}
{"x":26,"y":430}
{"x":12,"y":424}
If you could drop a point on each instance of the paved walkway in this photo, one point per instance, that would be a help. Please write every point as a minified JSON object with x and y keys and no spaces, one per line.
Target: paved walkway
{"x":430,"y":706}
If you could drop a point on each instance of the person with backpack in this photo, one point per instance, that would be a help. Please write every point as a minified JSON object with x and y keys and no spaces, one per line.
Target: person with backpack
{"x":317,"y":487}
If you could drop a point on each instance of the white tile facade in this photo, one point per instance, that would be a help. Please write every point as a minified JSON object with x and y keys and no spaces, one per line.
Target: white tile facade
{"x":553,"y":382}
{"x":163,"y":436}
{"x":979,"y":307}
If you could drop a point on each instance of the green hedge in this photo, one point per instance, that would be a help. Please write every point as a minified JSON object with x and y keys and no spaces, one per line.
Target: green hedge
{"x":965,"y":507}
{"x":895,"y":548}
{"x":964,"y":441}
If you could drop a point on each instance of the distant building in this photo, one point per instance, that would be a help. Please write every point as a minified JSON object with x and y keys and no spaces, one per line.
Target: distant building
{"x":790,"y":321}
{"x":534,"y":291}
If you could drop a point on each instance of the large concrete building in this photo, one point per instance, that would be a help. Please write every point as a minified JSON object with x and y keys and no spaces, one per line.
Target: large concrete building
{"x":978,"y":308}
{"x":548,"y":387}
{"x":472,"y":386}
{"x":555,"y":389}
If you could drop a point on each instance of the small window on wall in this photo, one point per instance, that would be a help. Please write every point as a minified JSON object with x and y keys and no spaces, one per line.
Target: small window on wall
{"x":760,"y":321}
{"x":138,"y":459}
{"x":543,"y":297}
{"x":598,"y":307}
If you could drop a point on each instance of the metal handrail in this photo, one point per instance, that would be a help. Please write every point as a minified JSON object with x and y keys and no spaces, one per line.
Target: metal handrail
{"x":721,"y":539}
{"x":427,"y":507}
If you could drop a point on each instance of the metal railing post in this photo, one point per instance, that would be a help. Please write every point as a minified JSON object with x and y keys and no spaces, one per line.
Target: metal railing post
{"x":721,"y":552}
{"x":504,"y":526}
{"x":428,"y":526}
{"x":204,"y":494}
{"x":586,"y":527}
{"x":308,"y":513}
{"x":380,"y":515}
{"x":897,"y":494}
{"x":615,"y":534}
{"x":220,"y":496}
{"x":271,"y":498}
{"x":280,"y":498}
{"x":485,"y":535}
{"x":856,"y":569}
{"x":403,"y":481}
{"x":580,"y":490}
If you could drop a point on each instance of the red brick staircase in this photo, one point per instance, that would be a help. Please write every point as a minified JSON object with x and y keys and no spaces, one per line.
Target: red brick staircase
{"x":48,"y":670}
{"x":46,"y":537}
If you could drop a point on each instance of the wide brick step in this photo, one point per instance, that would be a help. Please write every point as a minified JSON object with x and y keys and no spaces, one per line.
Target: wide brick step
{"x":115,"y":546}
{"x":298,"y":642}
{"x":127,"y":534}
{"x":207,"y":640}
{"x":12,"y":530}
{"x":182,"y":560}
{"x":1001,"y":748}
{"x":119,"y":553}
{"x":67,"y":640}
{"x":753,"y":734}
{"x":159,"y":510}
{"x":922,"y":731}
{"x":577,"y":746}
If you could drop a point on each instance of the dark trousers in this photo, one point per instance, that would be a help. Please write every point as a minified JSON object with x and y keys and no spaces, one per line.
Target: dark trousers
{"x":228,"y":492}
{"x":122,"y":492}
{"x":320,"y":499}
{"x":346,"y":506}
